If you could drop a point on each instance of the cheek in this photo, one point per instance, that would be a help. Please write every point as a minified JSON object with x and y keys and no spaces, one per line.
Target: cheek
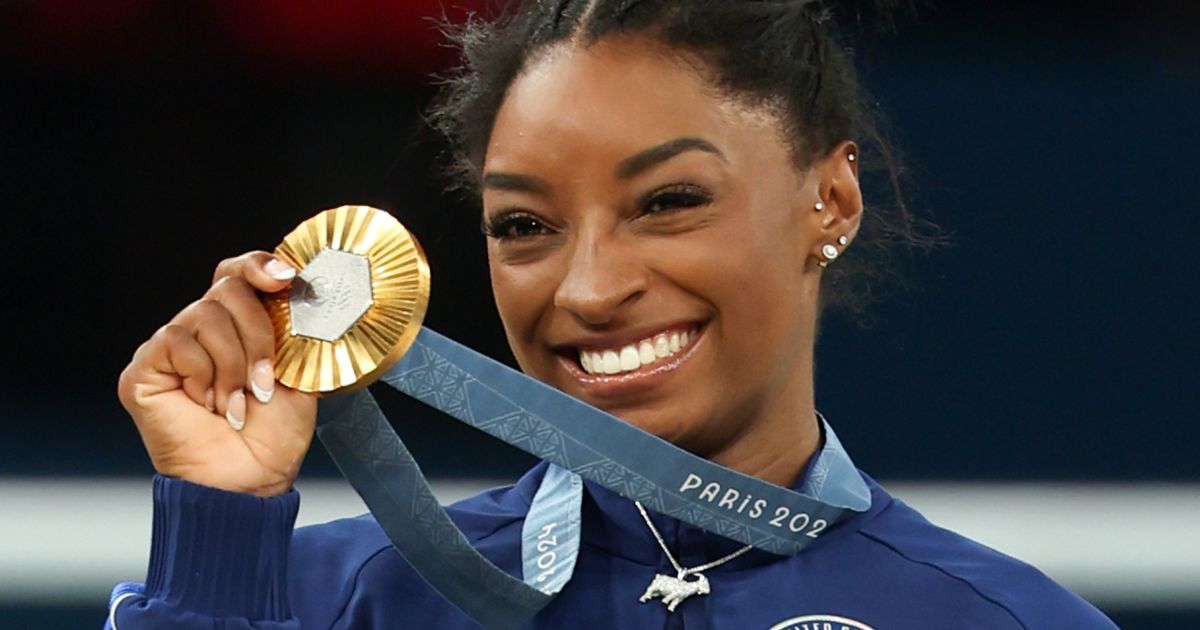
{"x":750,"y":270}
{"x":746,"y":261}
{"x":761,"y":300}
{"x":523,"y":295}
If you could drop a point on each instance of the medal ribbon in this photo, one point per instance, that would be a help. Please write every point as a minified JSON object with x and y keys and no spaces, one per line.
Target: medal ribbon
{"x":575,"y":436}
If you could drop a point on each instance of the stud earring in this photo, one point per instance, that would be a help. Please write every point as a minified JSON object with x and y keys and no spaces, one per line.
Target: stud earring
{"x":842,"y":240}
{"x":829,"y":251}
{"x":820,"y":206}
{"x":851,"y":157}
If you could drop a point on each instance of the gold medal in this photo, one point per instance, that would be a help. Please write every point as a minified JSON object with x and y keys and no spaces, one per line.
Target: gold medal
{"x":356,"y":304}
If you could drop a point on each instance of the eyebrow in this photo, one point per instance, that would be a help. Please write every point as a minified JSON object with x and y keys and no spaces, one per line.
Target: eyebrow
{"x":658,"y":154}
{"x":512,"y":181}
{"x":626,"y":168}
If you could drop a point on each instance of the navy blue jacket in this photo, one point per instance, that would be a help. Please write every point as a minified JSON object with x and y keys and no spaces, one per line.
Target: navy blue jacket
{"x":223,"y":560}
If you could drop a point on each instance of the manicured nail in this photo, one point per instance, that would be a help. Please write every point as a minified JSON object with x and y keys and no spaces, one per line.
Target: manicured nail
{"x":279,"y":269}
{"x":210,"y":400}
{"x":235,"y":410}
{"x":262,"y":381}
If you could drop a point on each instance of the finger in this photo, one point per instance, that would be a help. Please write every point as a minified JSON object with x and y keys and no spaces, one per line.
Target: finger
{"x":263,"y":271}
{"x":186,"y":357}
{"x":173,"y":354}
{"x":215,"y":331}
{"x":255,"y":330}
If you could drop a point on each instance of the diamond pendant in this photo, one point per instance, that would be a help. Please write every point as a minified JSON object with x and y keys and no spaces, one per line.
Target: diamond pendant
{"x":673,"y":590}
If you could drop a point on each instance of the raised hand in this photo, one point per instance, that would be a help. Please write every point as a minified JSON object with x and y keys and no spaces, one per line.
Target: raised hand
{"x":202,"y":389}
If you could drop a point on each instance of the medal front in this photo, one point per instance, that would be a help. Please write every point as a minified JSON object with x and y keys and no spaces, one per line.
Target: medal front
{"x":356,"y":305}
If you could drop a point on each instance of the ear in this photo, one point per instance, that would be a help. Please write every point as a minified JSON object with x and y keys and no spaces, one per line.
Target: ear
{"x":838,"y":206}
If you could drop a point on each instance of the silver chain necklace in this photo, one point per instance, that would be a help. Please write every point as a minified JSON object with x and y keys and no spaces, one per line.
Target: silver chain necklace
{"x":674,"y":590}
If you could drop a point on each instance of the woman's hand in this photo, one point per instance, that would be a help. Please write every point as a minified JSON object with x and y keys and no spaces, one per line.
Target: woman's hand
{"x":203,"y":394}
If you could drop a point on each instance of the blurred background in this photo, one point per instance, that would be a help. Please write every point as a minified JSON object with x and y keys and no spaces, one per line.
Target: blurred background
{"x":1035,"y":390}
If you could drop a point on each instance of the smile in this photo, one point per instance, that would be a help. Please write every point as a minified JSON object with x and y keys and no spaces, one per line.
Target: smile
{"x":635,"y":356}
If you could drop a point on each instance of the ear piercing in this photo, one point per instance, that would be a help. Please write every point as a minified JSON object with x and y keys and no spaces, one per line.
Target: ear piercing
{"x":829,"y":251}
{"x":852,"y":157}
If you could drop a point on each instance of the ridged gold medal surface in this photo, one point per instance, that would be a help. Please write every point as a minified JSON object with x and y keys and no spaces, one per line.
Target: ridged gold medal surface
{"x":356,"y":304}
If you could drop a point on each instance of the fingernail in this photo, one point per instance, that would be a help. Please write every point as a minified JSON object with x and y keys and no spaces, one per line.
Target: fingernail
{"x":279,"y":269}
{"x":262,"y":381}
{"x":210,"y":400}
{"x":235,"y":411}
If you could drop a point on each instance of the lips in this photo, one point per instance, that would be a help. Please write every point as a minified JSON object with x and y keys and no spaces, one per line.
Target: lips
{"x":652,"y":349}
{"x":625,"y":386}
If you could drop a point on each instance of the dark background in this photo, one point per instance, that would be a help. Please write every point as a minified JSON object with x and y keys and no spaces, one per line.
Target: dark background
{"x":142,"y":141}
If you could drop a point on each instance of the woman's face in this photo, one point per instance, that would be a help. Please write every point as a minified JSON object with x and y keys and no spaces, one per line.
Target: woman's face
{"x":652,"y":248}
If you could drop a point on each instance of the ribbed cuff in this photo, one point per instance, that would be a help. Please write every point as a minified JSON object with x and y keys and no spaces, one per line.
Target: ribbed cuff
{"x":220,"y":553}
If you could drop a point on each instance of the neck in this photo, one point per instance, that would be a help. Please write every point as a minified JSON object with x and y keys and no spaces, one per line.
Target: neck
{"x":784,"y":434}
{"x":782,"y":459}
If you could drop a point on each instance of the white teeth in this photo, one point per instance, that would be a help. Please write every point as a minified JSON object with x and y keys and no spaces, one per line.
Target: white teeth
{"x":629,"y":359}
{"x":662,"y":346}
{"x":634,"y":356}
{"x":612,"y":363}
{"x":646,"y":353}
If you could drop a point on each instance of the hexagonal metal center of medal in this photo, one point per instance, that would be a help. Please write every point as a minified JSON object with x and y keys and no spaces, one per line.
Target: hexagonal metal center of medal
{"x":331,"y":293}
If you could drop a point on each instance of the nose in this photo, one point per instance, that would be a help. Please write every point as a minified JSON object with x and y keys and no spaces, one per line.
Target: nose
{"x":601,"y":277}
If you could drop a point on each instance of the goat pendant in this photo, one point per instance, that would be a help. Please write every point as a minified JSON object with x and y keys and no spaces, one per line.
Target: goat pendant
{"x":673,"y":590}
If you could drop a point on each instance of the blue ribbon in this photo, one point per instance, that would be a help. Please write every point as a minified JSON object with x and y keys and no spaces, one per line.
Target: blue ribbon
{"x":577,"y":437}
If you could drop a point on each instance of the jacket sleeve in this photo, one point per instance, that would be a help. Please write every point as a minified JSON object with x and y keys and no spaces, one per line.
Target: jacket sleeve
{"x":217,"y":560}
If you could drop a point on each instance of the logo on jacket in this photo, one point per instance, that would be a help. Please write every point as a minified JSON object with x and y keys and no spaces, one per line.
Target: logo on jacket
{"x":820,"y":622}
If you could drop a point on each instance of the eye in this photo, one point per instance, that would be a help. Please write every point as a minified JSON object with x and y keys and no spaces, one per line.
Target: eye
{"x":514,"y":225}
{"x":675,"y":197}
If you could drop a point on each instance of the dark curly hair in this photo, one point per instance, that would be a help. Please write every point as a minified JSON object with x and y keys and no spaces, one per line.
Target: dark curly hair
{"x":782,"y":54}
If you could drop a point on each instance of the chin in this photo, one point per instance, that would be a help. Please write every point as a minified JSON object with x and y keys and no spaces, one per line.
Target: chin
{"x":672,"y":426}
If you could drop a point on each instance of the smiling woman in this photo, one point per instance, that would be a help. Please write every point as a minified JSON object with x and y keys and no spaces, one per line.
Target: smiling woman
{"x":682,"y":215}
{"x":667,"y":190}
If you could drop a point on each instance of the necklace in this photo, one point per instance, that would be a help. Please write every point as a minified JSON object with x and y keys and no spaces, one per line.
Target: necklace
{"x":673,"y":590}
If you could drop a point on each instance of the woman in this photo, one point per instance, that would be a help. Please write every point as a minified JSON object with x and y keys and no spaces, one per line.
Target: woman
{"x":667,"y":190}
